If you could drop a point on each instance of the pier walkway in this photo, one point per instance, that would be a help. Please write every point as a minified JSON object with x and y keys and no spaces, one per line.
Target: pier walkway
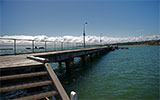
{"x":33,"y":76}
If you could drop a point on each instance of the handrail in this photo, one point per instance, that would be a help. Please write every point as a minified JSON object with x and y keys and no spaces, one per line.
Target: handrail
{"x":35,"y":40}
{"x":21,"y":46}
{"x":56,"y":82}
{"x":16,"y":39}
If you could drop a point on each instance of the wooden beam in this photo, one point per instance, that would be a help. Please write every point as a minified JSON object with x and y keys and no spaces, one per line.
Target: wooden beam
{"x":38,"y":96}
{"x":24,"y":86}
{"x":40,"y":59}
{"x":56,"y":82}
{"x":22,"y":75}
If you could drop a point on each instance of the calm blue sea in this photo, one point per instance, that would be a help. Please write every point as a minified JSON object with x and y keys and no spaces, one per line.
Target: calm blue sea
{"x":132,"y":74}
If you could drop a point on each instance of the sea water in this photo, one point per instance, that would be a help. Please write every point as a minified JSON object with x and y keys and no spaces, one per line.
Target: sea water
{"x":124,"y":74}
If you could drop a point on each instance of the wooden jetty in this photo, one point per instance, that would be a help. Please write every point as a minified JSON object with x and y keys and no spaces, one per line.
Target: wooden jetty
{"x":33,"y":76}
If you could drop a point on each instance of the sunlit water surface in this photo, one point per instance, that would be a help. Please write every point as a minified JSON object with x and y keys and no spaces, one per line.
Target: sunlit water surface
{"x":132,"y":74}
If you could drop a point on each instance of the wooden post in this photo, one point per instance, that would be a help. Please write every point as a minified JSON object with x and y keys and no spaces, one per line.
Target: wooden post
{"x":72,"y":59}
{"x":68,"y":63}
{"x":83,"y":59}
{"x":96,"y":53}
{"x":73,"y":95}
{"x":14,"y":46}
{"x":90,"y":56}
{"x":60,"y":64}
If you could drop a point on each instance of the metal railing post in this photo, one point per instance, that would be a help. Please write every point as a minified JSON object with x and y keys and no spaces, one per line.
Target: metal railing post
{"x":76,"y":46}
{"x":72,"y":45}
{"x":14,"y":46}
{"x":62,"y":45}
{"x":67,"y":45}
{"x":45,"y":46}
{"x":54,"y":46}
{"x":32,"y":45}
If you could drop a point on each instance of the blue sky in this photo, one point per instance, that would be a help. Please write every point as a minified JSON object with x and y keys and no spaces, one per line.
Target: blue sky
{"x":114,"y":18}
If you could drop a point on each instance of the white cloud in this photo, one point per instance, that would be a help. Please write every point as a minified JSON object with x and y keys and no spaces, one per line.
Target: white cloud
{"x":73,"y":39}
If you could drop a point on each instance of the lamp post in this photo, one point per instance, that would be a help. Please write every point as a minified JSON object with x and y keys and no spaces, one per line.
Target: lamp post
{"x":84,"y":34}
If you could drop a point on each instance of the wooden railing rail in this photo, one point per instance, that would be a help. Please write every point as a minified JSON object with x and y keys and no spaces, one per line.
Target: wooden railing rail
{"x":56,"y":82}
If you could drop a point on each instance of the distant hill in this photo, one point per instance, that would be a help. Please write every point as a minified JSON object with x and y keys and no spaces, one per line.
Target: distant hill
{"x":151,"y":42}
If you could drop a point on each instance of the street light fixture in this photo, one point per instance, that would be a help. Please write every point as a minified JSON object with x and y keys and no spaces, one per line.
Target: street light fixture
{"x":84,"y":34}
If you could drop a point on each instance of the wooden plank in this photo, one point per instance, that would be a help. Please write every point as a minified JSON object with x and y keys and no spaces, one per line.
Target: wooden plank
{"x":56,"y":82}
{"x":23,"y":86}
{"x":39,"y":59}
{"x":38,"y":96}
{"x":19,"y":60}
{"x":16,"y":61}
{"x":68,"y":51}
{"x":22,"y":75}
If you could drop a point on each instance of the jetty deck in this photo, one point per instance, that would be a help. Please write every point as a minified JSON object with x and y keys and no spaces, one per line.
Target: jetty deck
{"x":17,"y":61}
{"x":33,"y":73}
{"x":22,"y":60}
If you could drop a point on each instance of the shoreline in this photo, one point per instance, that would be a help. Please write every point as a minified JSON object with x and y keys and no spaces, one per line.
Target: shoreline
{"x":138,"y":45}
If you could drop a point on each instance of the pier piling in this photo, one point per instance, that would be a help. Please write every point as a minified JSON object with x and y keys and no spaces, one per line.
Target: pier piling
{"x":68,"y":63}
{"x":91,"y":56}
{"x":83,"y":59}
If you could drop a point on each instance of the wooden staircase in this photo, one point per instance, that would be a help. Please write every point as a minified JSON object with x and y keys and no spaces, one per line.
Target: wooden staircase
{"x":38,"y":82}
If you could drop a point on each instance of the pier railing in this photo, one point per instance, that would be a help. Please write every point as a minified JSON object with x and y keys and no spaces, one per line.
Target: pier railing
{"x":19,"y":46}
